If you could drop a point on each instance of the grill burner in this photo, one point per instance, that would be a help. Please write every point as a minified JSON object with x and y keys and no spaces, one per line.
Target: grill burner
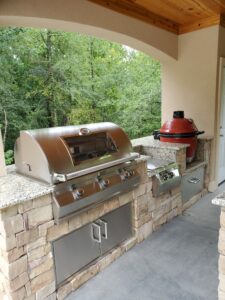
{"x":87,"y":164}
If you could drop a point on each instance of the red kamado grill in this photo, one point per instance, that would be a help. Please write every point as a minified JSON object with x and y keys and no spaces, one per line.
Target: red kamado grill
{"x":180,"y":130}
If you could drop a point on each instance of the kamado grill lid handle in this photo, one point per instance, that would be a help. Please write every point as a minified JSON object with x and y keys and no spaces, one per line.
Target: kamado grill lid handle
{"x":199,"y":132}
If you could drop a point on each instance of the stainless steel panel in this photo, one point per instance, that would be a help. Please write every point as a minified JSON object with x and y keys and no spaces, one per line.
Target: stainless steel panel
{"x":95,"y":188}
{"x":166,"y":178}
{"x":74,"y":251}
{"x":192,"y":184}
{"x":116,"y":227}
{"x":75,"y":207}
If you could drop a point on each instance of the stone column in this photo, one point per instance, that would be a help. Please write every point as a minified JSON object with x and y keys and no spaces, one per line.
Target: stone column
{"x":220,"y":201}
{"x":221,"y":248}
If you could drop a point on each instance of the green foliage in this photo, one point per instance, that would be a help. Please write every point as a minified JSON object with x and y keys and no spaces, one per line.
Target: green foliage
{"x":9,"y":157}
{"x":51,"y":78}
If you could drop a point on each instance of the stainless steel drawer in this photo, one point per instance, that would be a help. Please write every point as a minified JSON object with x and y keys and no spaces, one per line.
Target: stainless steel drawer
{"x":192,"y":184}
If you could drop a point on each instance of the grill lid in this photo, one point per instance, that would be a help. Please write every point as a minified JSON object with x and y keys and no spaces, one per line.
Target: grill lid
{"x":62,"y":153}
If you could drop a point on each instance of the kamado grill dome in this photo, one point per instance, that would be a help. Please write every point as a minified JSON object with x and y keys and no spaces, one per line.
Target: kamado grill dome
{"x":180,"y":130}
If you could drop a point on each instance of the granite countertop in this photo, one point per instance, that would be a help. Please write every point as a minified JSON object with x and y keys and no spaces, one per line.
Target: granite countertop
{"x":219,"y":200}
{"x":15,"y":188}
{"x":149,"y":141}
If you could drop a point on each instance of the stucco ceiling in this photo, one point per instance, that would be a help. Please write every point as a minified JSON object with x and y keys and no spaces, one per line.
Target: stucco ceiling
{"x":178,"y":16}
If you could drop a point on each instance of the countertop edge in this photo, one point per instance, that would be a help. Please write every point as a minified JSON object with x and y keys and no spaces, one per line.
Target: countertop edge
{"x":219,"y":201}
{"x":24,"y":200}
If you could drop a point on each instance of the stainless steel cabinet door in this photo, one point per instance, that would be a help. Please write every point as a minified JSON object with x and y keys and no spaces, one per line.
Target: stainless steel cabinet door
{"x":116,"y":227}
{"x":192,"y":184}
{"x":74,"y":251}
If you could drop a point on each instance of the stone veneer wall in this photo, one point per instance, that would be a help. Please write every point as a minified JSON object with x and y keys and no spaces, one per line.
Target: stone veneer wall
{"x":27,"y":229}
{"x":177,"y":155}
{"x":203,"y":153}
{"x":221,"y":248}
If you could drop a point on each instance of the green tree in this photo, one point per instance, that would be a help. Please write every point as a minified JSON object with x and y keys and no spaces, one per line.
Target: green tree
{"x":52,"y":78}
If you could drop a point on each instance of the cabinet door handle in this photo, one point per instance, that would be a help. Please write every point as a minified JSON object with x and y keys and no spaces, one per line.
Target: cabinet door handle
{"x":96,"y":232}
{"x":104,"y":228}
{"x":194,"y":180}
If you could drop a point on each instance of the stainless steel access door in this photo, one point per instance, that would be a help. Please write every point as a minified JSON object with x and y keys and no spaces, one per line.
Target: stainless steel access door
{"x":192,"y":184}
{"x":74,"y":251}
{"x":116,"y":227}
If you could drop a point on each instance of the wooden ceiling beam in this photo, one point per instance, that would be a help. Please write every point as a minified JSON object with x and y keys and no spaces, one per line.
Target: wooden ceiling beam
{"x":132,"y":10}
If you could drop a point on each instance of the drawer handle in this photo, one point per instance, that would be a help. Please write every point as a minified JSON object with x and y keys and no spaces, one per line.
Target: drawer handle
{"x":104,"y":224}
{"x":194,"y":180}
{"x":96,"y":233}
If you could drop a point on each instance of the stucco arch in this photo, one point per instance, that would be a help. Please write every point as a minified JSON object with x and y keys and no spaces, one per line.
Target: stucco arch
{"x":85,"y":17}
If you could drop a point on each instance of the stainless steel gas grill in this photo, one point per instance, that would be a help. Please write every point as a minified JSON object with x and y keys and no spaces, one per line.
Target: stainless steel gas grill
{"x":87,"y":164}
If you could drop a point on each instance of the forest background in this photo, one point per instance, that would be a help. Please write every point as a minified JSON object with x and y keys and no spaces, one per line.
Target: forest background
{"x":51,"y":78}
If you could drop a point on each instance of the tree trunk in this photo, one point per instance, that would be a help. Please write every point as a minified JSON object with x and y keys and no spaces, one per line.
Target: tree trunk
{"x":5,"y":128}
{"x":92,"y":74}
{"x":52,"y":114}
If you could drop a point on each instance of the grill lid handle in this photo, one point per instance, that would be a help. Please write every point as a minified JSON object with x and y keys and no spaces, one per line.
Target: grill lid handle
{"x":84,"y":131}
{"x":59,"y":177}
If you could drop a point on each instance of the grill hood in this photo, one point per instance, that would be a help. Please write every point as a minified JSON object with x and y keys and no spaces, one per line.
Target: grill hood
{"x":58,"y":154}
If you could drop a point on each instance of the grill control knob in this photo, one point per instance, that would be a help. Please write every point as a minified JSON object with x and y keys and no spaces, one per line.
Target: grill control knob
{"x":132,"y":173}
{"x":105,"y":182}
{"x":165,"y":177}
{"x":125,"y":174}
{"x":170,"y":174}
{"x":79,"y":193}
{"x":73,"y":186}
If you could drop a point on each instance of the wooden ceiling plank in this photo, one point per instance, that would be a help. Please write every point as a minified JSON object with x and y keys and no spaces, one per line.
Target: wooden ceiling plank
{"x":138,"y":12}
{"x":181,"y":12}
{"x":214,"y":6}
{"x":206,"y":22}
{"x":175,"y":16}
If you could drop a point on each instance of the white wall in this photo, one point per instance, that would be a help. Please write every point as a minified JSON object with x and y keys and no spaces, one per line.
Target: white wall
{"x":190,"y":84}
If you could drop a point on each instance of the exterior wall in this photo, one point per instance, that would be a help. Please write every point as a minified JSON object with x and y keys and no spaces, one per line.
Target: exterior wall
{"x":221,"y":53}
{"x":26,"y":232}
{"x":190,"y":84}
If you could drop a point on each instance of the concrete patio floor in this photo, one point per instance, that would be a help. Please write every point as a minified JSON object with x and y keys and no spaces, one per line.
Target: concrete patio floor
{"x":178,"y":262}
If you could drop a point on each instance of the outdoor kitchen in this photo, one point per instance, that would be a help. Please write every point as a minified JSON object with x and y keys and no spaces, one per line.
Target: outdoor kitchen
{"x":89,"y":210}
{"x":79,"y":197}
